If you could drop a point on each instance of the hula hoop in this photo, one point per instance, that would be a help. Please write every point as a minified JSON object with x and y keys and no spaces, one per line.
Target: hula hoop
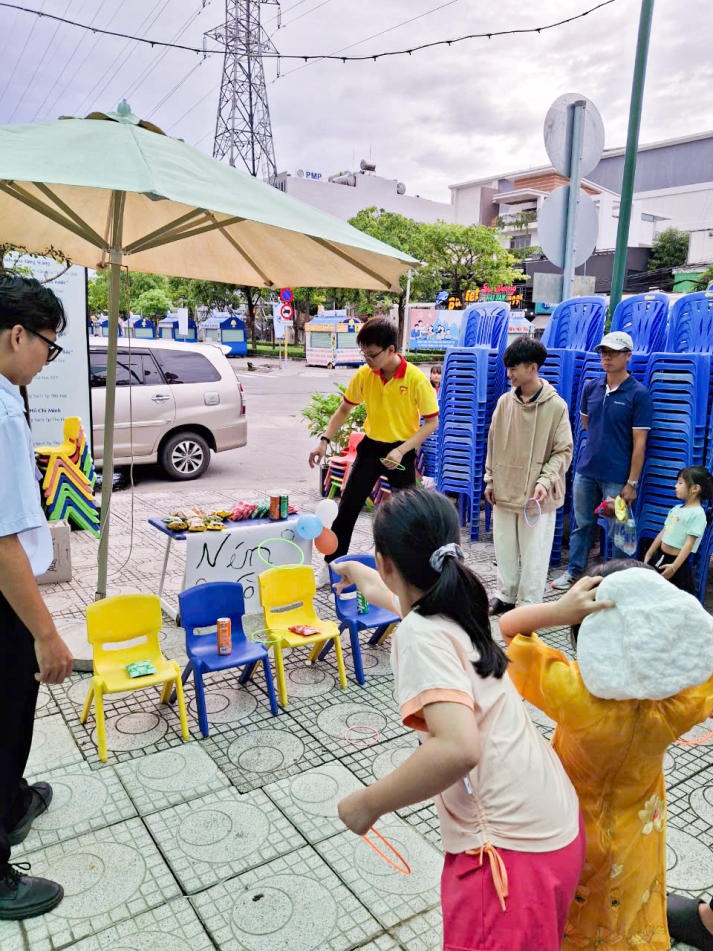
{"x":397,"y":466}
{"x":374,"y":733}
{"x":528,"y":522}
{"x":697,"y":742}
{"x":406,"y":870}
{"x":254,"y":636}
{"x":286,"y":542}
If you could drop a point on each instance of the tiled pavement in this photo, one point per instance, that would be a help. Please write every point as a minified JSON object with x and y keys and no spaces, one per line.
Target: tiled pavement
{"x":232,"y":842}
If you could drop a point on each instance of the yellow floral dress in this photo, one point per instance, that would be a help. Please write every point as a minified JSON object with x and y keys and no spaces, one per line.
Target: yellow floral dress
{"x":613,"y":753}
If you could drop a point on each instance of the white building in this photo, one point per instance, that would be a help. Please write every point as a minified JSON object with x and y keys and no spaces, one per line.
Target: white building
{"x":345,"y":194}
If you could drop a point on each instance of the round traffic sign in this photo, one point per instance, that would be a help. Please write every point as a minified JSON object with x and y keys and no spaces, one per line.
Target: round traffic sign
{"x":558,"y":134}
{"x":286,"y":311}
{"x":552,"y":223}
{"x":286,"y":295}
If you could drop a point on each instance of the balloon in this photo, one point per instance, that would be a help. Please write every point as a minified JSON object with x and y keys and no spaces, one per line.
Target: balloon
{"x":326,"y":512}
{"x":326,"y":542}
{"x":308,"y":527}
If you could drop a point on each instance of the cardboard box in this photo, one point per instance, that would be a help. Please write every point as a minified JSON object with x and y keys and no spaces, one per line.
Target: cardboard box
{"x":61,"y":566}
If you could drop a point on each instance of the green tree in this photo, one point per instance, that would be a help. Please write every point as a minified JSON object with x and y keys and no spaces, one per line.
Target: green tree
{"x":133,"y":285}
{"x":670,"y":249}
{"x":154,"y":300}
{"x":705,"y":278}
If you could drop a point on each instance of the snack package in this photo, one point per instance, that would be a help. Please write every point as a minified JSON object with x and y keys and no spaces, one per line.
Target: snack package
{"x":140,"y":668}
{"x":306,"y":630}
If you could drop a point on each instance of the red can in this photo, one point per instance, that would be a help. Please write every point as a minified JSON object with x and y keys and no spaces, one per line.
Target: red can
{"x":225,"y":636}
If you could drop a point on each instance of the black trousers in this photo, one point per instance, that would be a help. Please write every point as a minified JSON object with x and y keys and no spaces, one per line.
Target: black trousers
{"x":18,"y":698}
{"x":683,"y":578}
{"x":365,"y":470}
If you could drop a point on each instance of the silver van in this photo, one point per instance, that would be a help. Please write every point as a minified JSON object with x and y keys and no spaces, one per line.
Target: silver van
{"x":174,"y":403}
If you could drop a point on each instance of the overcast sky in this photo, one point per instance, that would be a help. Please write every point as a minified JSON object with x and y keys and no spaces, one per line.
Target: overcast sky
{"x":431,"y":119}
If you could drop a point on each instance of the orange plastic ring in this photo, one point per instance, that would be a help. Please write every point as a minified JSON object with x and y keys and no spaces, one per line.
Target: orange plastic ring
{"x":406,"y":870}
{"x":697,"y":741}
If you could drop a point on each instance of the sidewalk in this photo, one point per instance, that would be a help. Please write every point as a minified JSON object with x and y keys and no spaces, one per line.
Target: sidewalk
{"x":232,"y":842}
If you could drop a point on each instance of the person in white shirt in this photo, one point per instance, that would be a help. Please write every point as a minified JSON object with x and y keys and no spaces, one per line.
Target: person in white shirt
{"x":31,"y":649}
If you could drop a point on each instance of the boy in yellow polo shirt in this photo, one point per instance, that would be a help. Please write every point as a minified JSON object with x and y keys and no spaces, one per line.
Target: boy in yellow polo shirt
{"x":397,"y":395}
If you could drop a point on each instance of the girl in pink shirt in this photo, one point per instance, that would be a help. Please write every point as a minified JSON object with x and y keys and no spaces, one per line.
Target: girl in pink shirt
{"x":509,"y":816}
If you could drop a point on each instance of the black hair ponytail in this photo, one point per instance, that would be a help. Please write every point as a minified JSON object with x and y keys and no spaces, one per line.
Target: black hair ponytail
{"x":408,"y":528}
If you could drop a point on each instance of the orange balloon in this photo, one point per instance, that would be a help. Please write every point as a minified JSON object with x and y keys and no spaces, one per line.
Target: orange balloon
{"x":326,"y":542}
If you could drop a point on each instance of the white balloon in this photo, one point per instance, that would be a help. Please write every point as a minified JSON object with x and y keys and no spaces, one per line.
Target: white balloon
{"x":326,"y":512}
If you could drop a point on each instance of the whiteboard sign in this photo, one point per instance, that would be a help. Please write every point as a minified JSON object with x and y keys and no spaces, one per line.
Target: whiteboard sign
{"x":232,"y":555}
{"x":61,"y":388}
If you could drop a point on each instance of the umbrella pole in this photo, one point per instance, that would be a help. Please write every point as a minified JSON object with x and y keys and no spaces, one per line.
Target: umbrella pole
{"x":115,"y":258}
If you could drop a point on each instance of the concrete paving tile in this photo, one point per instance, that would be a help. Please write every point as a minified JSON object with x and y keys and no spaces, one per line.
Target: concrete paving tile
{"x":688,"y":863}
{"x":388,"y":894}
{"x":46,"y":706}
{"x":683,"y":760}
{"x":331,"y":718}
{"x":263,"y":753}
{"x":295,"y":902}
{"x":424,"y":820}
{"x":376,"y":660}
{"x":310,"y":800}
{"x":108,"y":876}
{"x":383,"y":943}
{"x":230,"y":703}
{"x":215,"y":838}
{"x":422,"y":932}
{"x":84,"y":800}
{"x":171,"y":927}
{"x":173,"y":776}
{"x":53,"y":746}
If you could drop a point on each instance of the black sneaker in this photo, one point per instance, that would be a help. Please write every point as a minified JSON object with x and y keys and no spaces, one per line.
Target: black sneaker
{"x":499,"y":607}
{"x":41,"y":798}
{"x":23,"y":896}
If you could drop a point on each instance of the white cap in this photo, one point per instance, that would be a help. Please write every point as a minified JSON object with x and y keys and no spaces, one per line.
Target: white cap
{"x":657,"y":641}
{"x":616,"y":340}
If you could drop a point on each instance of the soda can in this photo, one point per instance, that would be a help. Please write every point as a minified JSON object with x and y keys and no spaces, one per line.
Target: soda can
{"x":225,"y":638}
{"x":362,"y":604}
{"x":274,"y":513}
{"x":284,"y":506}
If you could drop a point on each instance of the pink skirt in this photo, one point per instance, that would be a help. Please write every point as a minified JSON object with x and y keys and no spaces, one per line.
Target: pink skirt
{"x":541,"y":886}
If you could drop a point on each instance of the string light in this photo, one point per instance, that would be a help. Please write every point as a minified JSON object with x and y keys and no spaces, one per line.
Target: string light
{"x":301,"y":56}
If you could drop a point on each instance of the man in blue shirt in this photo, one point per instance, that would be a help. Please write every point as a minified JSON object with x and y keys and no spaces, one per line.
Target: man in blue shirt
{"x":31,"y":650}
{"x":616,"y":412}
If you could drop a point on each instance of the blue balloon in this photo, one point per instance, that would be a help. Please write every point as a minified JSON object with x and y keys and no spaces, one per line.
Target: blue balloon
{"x":309,"y":527}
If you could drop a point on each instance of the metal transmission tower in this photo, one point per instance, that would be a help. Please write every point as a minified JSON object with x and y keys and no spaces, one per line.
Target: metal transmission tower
{"x":243,"y":133}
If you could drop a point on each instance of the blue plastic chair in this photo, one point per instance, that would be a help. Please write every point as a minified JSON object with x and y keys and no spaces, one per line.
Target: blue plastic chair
{"x":349,"y":619}
{"x":200,"y":607}
{"x":576,"y":324}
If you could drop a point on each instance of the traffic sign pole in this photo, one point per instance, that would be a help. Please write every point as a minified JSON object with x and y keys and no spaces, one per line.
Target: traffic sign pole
{"x":575,"y":130}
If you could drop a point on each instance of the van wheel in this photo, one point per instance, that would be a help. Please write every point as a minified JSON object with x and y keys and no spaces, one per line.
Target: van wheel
{"x":185,"y":456}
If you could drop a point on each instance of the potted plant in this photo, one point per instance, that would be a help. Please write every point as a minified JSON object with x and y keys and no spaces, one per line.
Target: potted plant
{"x":318,"y":412}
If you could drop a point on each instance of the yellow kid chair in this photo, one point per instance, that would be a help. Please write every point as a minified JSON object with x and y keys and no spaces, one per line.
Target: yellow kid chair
{"x":286,"y":596}
{"x":111,"y":623}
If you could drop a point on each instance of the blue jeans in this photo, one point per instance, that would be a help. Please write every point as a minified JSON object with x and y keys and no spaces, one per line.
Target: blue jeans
{"x":588,"y":493}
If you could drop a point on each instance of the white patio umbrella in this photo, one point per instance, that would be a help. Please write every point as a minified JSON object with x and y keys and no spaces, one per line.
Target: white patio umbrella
{"x":111,"y":190}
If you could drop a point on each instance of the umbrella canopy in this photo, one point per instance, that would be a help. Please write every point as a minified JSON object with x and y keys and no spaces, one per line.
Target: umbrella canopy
{"x":111,"y":190}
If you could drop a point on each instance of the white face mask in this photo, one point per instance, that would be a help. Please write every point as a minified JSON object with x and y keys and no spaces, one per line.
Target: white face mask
{"x":657,"y":641}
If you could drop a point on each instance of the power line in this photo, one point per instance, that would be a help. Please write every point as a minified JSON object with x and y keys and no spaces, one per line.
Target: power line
{"x":174,"y":90}
{"x":22,"y":53}
{"x":40,"y":63}
{"x":490,"y":34}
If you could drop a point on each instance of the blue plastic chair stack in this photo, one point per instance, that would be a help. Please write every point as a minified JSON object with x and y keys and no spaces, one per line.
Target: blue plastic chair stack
{"x":644,"y":317}
{"x":678,"y":384}
{"x":576,"y":324}
{"x":485,"y":325}
{"x":690,"y":328}
{"x":345,"y":604}
{"x":464,"y":424}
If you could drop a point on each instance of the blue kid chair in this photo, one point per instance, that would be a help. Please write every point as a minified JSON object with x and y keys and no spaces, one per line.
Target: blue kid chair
{"x":345,"y":605}
{"x":200,"y":607}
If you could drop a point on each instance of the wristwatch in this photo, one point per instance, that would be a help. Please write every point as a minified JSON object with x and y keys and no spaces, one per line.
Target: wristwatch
{"x":633,"y":483}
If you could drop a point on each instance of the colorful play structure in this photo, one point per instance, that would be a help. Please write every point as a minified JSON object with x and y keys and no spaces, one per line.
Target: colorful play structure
{"x":68,"y":478}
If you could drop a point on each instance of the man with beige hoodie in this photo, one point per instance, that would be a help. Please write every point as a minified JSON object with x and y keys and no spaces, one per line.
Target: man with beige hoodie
{"x":529,"y":452}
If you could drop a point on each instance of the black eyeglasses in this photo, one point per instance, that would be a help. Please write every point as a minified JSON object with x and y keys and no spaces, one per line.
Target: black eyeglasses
{"x":53,"y":349}
{"x":372,"y":356}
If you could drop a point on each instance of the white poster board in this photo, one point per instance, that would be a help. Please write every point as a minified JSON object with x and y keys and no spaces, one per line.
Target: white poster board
{"x":61,"y":389}
{"x":232,"y":555}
